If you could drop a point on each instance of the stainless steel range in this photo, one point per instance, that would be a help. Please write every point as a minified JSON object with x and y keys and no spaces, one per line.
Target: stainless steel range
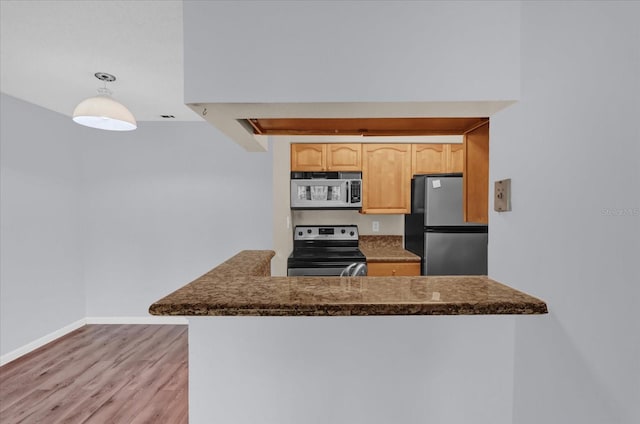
{"x":326,"y":250}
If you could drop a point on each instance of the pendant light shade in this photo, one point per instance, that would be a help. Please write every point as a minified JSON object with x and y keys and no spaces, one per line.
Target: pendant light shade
{"x":103,"y":112}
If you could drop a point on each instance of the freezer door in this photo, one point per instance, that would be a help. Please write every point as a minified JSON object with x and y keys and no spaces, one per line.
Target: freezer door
{"x":443,"y":202}
{"x":455,"y":254}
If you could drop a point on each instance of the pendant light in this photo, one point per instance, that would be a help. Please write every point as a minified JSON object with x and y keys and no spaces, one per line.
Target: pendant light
{"x":102,"y":111}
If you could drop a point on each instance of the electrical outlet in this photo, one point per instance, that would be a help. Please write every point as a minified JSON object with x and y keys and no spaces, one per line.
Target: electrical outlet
{"x":502,"y":195}
{"x":376,"y":226}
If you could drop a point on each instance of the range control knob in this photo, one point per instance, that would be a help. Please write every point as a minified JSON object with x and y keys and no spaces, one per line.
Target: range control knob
{"x":343,"y":231}
{"x":299,"y":233}
{"x":309,"y":231}
{"x":352,"y":233}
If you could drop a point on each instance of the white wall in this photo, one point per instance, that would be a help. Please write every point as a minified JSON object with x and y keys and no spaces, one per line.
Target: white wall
{"x":41,"y":287}
{"x":350,"y":51}
{"x":570,"y":146}
{"x":102,"y":224}
{"x":165,"y":204}
{"x":572,"y":149}
{"x":356,"y":370}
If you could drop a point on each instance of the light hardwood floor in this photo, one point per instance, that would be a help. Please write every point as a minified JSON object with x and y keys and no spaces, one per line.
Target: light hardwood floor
{"x":101,"y":374}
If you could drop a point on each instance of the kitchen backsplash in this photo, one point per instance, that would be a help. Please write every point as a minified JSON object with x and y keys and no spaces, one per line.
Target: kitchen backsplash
{"x":388,"y":224}
{"x":381,"y":242}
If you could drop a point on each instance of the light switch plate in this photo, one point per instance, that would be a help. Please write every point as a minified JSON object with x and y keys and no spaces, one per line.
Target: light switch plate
{"x":376,"y":226}
{"x":502,"y":195}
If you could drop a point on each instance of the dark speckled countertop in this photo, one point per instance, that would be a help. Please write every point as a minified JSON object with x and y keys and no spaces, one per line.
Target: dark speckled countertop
{"x":243,"y":286}
{"x":385,"y":249}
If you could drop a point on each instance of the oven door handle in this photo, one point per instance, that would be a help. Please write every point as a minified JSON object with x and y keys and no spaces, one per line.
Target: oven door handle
{"x":347,"y":271}
{"x":359,"y":270}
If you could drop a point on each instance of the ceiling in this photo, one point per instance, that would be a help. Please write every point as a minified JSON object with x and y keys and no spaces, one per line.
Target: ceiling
{"x":50,"y":51}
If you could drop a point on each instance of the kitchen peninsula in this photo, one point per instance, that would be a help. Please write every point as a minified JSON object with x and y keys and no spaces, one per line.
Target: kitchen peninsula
{"x":243,"y":286}
{"x":318,"y":349}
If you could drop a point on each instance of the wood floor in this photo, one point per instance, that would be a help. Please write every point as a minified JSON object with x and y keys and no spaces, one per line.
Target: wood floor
{"x":101,"y":374}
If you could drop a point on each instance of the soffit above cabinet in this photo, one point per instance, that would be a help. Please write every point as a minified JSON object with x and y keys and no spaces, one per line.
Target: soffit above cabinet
{"x":364,"y":126}
{"x":319,"y":119}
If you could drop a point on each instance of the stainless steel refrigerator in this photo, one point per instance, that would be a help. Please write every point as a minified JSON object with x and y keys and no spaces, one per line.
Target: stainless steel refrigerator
{"x":435,"y":229}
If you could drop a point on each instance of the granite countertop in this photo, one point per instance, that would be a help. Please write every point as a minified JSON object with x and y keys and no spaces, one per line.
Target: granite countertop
{"x":243,"y":286}
{"x":385,"y":249}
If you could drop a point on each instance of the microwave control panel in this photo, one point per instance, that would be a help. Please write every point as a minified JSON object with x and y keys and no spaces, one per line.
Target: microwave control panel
{"x":356,"y":191}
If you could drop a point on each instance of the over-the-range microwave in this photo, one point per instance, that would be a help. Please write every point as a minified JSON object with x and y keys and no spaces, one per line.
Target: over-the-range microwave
{"x":326,"y":190}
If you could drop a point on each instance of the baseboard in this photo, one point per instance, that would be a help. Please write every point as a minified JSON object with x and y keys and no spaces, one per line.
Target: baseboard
{"x":29,"y":347}
{"x":167,"y":320}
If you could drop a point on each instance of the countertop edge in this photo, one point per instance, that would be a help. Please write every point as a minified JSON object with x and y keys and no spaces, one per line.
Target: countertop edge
{"x":351,"y":310}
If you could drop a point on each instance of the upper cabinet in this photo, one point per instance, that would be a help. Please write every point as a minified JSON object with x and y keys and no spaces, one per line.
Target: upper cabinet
{"x":386,"y":178}
{"x":387,"y":169}
{"x":436,"y":158}
{"x":308,"y":157}
{"x":344,"y":157}
{"x":476,"y":175}
{"x":455,"y":158}
{"x":428,"y":158}
{"x":326,"y":157}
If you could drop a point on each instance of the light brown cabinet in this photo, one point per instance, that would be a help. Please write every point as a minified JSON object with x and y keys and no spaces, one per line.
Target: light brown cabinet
{"x":326,"y":157}
{"x":386,"y":178}
{"x":387,"y":169}
{"x":476,"y":175}
{"x":344,"y":157}
{"x":308,"y":157}
{"x":393,"y":269}
{"x":455,"y":158}
{"x":436,"y":158}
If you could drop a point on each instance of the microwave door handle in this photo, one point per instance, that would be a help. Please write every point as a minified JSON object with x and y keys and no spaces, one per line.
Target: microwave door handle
{"x":347,"y":197}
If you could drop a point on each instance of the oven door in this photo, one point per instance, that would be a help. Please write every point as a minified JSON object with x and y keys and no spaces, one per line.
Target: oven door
{"x":334,"y":269}
{"x":315,"y":272}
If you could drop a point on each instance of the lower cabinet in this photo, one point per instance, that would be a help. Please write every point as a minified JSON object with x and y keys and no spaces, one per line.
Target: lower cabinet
{"x":393,"y":269}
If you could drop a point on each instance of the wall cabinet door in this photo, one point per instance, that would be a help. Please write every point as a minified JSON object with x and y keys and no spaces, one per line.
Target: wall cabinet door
{"x":326,"y":157}
{"x":476,"y":175}
{"x":386,"y":178}
{"x":436,"y":158}
{"x":428,"y":158}
{"x":308,"y":157}
{"x":393,"y":269}
{"x":455,"y":158}
{"x":344,"y":157}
